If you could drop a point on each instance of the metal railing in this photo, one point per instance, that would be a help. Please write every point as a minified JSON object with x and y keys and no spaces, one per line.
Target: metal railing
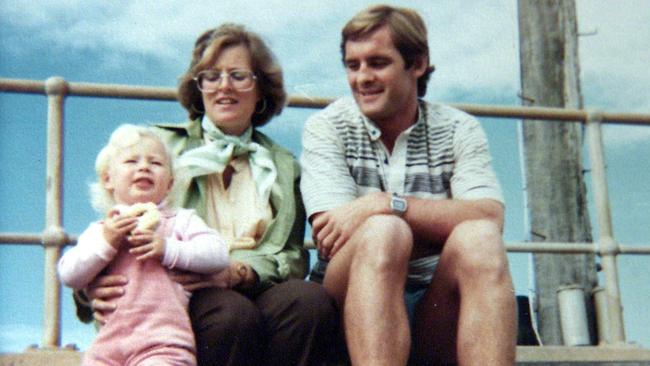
{"x":54,"y":237}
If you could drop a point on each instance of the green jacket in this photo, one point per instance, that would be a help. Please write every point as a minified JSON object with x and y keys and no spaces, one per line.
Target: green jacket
{"x":280,"y":254}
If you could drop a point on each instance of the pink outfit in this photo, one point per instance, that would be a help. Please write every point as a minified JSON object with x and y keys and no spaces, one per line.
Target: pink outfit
{"x":151,"y":325}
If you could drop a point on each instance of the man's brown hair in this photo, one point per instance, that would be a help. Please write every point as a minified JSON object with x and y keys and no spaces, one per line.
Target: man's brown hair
{"x":408,"y":33}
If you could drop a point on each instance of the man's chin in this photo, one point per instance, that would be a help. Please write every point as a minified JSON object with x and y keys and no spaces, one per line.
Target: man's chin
{"x":369,"y":108}
{"x":373,"y":112}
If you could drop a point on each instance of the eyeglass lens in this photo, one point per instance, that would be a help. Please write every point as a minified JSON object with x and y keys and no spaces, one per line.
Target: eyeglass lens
{"x":209,"y":80}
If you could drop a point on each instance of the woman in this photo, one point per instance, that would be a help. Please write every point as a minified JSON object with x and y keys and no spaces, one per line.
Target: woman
{"x":259,"y":310}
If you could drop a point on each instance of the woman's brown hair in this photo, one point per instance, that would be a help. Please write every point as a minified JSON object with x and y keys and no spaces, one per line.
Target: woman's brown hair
{"x":207,"y":49}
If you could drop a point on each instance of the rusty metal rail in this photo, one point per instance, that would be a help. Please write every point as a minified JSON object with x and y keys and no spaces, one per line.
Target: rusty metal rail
{"x":54,"y":237}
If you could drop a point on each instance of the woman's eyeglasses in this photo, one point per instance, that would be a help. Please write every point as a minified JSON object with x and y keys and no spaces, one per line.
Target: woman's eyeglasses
{"x":208,"y":81}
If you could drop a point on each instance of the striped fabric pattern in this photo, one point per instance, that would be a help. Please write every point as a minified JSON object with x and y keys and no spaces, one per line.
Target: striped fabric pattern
{"x":444,"y":155}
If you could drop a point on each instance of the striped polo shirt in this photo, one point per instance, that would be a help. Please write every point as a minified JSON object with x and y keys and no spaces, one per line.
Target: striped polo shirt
{"x":444,"y":155}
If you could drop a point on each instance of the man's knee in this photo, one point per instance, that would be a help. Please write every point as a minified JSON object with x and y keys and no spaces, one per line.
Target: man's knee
{"x":384,"y":240}
{"x":476,"y":246}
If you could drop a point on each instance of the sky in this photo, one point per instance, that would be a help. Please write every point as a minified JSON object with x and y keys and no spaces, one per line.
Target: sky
{"x":474,"y":46}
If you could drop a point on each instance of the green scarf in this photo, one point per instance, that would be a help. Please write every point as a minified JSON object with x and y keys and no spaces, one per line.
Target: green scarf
{"x":214,"y":156}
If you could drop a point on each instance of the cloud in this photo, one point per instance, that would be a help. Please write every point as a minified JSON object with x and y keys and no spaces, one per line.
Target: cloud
{"x":623,"y":136}
{"x":13,"y":336}
{"x":614,"y":56}
{"x":473,"y":44}
{"x":471,"y":49}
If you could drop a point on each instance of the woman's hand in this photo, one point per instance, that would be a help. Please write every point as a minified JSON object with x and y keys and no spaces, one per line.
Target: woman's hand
{"x":103,"y":293}
{"x":237,"y":274}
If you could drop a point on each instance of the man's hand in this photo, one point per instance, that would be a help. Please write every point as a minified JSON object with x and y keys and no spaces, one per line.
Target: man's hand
{"x":237,"y":274}
{"x":147,"y":245}
{"x":116,"y":228}
{"x":332,"y":229}
{"x":103,"y":292}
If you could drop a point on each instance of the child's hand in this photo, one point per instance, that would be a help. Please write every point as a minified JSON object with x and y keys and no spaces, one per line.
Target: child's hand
{"x":147,"y":245}
{"x":116,"y":228}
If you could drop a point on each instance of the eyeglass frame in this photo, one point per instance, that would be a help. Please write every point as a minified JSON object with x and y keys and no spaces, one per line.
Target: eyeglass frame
{"x":220,"y":79}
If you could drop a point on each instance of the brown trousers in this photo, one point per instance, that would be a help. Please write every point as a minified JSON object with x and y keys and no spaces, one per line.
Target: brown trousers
{"x":292,"y":323}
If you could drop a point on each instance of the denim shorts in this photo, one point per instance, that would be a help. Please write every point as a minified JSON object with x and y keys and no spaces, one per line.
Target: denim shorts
{"x":412,"y":293}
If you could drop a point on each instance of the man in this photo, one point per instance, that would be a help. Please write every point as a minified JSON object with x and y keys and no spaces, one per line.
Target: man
{"x":406,"y":209}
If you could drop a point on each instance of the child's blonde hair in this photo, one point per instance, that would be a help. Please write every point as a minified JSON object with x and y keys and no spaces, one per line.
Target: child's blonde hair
{"x":124,"y":136}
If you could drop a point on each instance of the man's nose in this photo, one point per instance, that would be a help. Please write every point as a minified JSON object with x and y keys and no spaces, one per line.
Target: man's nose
{"x":365,"y":74}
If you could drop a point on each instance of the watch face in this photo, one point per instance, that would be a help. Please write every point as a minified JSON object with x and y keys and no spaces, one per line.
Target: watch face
{"x":398,"y":205}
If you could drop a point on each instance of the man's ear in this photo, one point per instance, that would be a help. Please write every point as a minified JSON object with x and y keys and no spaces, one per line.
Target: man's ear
{"x":420,"y":66}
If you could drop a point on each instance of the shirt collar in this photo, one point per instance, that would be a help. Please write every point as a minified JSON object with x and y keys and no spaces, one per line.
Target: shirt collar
{"x":375,"y":133}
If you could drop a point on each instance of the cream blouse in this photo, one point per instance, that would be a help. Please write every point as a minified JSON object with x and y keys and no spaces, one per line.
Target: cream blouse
{"x":236,"y":211}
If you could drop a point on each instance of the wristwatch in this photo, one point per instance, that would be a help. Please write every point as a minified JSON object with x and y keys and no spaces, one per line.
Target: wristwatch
{"x":398,"y":204}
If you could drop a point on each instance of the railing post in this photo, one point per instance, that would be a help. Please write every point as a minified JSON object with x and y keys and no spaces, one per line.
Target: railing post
{"x":608,"y":247}
{"x":53,"y":235}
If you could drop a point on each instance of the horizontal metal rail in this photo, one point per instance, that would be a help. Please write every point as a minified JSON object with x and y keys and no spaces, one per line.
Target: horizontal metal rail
{"x":513,"y":247}
{"x":169,"y":94}
{"x":53,"y":238}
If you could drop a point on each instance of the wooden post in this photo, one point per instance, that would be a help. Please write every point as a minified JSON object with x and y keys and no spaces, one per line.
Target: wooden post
{"x":555,"y":188}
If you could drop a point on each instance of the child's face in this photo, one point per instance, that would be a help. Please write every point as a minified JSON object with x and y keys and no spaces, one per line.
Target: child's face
{"x":139,"y":173}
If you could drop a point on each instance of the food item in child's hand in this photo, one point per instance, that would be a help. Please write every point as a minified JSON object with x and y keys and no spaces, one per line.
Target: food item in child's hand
{"x":147,"y":214}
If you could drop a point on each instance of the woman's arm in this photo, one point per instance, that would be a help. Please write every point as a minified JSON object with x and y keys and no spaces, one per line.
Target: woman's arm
{"x":278,"y":257}
{"x":281,"y":254}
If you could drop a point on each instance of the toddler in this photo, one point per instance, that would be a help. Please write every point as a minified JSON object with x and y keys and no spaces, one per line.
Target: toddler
{"x":150,"y":325}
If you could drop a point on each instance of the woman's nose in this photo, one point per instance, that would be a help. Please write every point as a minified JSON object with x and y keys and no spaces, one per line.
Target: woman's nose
{"x":224,"y":82}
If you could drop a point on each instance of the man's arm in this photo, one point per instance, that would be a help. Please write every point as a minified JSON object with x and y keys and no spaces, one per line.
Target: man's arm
{"x":332,"y":229}
{"x":474,"y":189}
{"x":431,"y":220}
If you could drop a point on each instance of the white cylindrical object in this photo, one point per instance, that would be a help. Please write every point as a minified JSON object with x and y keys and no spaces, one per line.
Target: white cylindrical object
{"x":602,"y":316}
{"x":573,"y":315}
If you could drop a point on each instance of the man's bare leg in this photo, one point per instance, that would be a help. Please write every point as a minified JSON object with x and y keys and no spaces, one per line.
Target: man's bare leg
{"x":469,"y":314}
{"x":367,"y":278}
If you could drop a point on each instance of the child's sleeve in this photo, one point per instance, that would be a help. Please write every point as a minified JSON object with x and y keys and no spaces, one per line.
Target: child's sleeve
{"x":83,"y":262}
{"x":194,"y":246}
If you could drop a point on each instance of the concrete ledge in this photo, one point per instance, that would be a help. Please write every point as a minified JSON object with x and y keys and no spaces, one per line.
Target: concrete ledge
{"x":588,"y":355}
{"x":525,"y":355}
{"x":42,"y":357}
